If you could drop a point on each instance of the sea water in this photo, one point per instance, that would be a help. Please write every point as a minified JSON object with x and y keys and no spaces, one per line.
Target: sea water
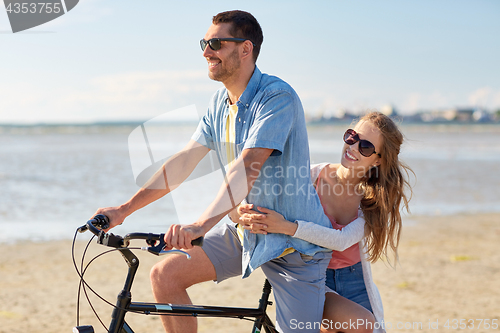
{"x":53,"y":178}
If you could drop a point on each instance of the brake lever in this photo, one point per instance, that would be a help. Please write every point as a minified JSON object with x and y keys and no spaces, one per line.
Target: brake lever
{"x":165,"y":252}
{"x":158,"y":249}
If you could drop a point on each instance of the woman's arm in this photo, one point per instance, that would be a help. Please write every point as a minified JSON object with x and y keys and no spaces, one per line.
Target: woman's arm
{"x":338,"y":240}
{"x":273,"y":222}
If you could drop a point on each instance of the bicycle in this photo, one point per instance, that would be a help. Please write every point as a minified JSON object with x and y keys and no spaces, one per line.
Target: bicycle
{"x":124,"y":302}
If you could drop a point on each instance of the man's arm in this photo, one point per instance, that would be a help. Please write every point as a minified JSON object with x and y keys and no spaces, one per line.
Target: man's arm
{"x":167,"y":178}
{"x":239,"y":181}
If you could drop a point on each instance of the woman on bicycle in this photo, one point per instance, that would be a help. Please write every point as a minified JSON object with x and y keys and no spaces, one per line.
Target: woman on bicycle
{"x":362,"y":196}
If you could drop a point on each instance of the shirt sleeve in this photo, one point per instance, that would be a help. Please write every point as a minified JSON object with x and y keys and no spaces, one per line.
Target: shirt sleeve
{"x":338,"y":240}
{"x":203,"y":133}
{"x":273,"y":122}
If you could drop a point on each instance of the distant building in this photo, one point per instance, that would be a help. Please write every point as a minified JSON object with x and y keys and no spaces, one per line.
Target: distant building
{"x":464,"y":115}
{"x":451,"y":115}
{"x":439,"y":115}
{"x":461,"y":115}
{"x":482,"y":116}
{"x":389,"y":110}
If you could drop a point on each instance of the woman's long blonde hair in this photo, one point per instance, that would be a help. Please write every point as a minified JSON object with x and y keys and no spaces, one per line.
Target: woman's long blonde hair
{"x":384,"y":191}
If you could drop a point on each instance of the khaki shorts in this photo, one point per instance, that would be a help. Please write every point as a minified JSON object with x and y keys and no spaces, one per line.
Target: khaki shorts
{"x":298,"y":281}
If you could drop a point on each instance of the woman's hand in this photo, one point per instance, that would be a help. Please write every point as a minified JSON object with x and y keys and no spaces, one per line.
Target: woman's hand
{"x":265,"y":222}
{"x":250,"y":219}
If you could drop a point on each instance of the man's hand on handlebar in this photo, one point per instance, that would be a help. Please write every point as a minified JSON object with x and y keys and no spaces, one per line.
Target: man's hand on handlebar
{"x":180,"y":236}
{"x":156,"y":242}
{"x":114,"y":214}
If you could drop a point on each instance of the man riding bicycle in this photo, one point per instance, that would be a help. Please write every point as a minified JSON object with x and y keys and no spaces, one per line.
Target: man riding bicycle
{"x":256,"y":125}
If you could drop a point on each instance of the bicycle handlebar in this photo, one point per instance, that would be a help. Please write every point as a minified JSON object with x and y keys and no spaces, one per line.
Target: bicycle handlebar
{"x":156,"y":242}
{"x":99,"y":221}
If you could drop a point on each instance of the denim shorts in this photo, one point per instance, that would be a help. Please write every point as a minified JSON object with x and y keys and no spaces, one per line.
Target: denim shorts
{"x":298,"y":281}
{"x":348,"y":282}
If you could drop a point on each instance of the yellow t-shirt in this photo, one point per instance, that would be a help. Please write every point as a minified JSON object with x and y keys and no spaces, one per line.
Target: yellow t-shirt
{"x":230,"y":134}
{"x":231,"y":155}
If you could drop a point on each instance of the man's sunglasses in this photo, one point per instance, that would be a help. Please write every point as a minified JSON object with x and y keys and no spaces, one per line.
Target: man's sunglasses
{"x":215,"y":43}
{"x":366,"y":148}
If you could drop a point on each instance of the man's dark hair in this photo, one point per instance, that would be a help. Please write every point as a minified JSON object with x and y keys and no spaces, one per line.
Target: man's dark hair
{"x":243,"y":25}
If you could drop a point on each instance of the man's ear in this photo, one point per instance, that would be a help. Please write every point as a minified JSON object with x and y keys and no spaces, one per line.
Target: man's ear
{"x":247,"y":48}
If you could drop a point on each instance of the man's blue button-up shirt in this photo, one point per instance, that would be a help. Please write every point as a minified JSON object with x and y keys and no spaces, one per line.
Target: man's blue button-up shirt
{"x":270,"y":115}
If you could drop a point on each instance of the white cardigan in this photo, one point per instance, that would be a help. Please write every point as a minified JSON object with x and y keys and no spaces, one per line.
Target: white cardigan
{"x":339,"y":240}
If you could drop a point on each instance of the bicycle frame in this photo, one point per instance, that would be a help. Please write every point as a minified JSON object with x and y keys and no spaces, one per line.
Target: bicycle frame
{"x":124,"y":305}
{"x":124,"y":302}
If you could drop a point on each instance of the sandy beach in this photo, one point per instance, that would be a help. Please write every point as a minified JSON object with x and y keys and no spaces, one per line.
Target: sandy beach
{"x":449,"y":269}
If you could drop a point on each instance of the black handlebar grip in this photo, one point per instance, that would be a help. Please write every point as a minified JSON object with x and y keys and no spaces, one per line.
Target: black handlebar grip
{"x":197,"y":242}
{"x":101,"y":221}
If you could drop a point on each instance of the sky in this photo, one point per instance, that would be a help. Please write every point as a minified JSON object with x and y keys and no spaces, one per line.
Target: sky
{"x":123,"y":60}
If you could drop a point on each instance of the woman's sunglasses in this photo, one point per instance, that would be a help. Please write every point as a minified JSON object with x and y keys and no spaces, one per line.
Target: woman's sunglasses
{"x":215,"y":43}
{"x":366,"y":148}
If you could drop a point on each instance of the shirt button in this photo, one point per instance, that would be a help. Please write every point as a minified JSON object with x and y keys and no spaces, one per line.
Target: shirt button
{"x":239,"y":119}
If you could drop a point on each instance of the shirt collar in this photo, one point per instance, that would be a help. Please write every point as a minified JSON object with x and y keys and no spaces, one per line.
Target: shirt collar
{"x":251,"y":88}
